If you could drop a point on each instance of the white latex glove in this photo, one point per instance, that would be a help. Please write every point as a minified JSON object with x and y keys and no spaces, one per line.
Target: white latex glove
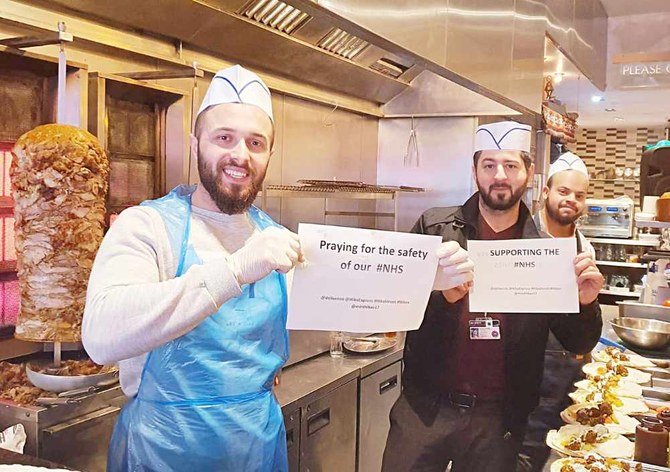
{"x":454,"y":268}
{"x":271,"y":249}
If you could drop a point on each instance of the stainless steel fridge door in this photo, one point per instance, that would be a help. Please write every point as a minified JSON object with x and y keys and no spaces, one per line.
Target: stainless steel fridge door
{"x":328,"y":431}
{"x":292,"y":425}
{"x":379,"y":393}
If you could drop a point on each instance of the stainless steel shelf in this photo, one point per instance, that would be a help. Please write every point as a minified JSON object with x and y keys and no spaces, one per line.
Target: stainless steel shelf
{"x":652,"y":224}
{"x":625,"y":242}
{"x":330,"y":195}
{"x":620,"y":294}
{"x":614,"y":180}
{"x":339,"y":195}
{"x":634,"y":265}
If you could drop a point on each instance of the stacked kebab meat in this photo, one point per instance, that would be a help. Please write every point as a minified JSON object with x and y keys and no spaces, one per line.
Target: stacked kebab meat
{"x":59,"y":182}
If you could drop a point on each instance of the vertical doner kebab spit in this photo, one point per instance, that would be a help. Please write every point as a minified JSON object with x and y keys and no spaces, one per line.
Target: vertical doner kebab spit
{"x":59,"y":183}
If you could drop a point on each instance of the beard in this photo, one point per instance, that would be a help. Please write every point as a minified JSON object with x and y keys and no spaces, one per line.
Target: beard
{"x":554,"y":213}
{"x":501,"y":202}
{"x":230,"y":199}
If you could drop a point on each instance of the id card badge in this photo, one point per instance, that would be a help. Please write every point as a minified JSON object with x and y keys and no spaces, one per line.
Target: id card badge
{"x":484,"y":329}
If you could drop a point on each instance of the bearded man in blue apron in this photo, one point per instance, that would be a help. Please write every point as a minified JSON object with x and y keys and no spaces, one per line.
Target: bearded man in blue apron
{"x":188,"y":295}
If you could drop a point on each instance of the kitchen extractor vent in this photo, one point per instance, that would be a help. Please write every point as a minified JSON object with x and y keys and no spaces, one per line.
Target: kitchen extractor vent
{"x":388,"y":67}
{"x":275,"y":14}
{"x":342,"y":43}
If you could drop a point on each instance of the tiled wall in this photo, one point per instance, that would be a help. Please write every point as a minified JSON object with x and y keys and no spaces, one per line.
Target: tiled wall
{"x":602,"y":149}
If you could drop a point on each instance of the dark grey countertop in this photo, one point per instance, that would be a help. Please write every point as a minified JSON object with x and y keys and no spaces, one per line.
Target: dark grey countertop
{"x":303,"y":382}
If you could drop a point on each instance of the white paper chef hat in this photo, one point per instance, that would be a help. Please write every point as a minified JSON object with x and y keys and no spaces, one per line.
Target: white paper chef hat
{"x":238,"y":85}
{"x":503,"y":136}
{"x":568,"y":161}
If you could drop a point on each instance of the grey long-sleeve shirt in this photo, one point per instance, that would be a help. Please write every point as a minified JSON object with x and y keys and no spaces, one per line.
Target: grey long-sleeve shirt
{"x":134,"y":304}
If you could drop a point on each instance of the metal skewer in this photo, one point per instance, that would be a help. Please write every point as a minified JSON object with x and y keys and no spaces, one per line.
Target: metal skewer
{"x":57,"y":354}
{"x":62,"y":79}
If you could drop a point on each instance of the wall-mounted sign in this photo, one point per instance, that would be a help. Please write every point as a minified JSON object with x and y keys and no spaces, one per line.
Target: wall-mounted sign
{"x":644,"y":74}
{"x":645,"y":69}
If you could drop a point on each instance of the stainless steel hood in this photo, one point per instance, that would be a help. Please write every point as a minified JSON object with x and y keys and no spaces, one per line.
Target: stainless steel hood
{"x":433,"y":95}
{"x":301,"y":40}
{"x":264,"y":34}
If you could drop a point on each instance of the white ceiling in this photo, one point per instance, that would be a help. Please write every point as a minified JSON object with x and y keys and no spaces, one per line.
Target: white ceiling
{"x":634,"y":7}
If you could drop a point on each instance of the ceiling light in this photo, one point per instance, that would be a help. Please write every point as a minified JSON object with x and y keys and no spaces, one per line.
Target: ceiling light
{"x":558,"y":76}
{"x":618,"y":118}
{"x":597,"y":98}
{"x":610,"y":109}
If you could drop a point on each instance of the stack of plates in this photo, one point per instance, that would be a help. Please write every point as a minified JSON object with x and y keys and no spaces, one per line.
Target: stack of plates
{"x":645,"y":216}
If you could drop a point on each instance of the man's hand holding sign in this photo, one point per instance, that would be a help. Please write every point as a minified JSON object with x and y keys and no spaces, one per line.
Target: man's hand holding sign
{"x":589,"y":279}
{"x":455,"y":271}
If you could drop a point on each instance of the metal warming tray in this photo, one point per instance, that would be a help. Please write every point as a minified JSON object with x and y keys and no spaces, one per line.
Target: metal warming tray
{"x":75,"y":434}
{"x":643,"y":310}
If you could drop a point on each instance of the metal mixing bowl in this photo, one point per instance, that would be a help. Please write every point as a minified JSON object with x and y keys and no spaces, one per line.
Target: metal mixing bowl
{"x":642,"y":332}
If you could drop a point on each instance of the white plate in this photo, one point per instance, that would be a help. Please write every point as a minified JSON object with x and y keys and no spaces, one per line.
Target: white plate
{"x":634,"y":360}
{"x":628,"y":405}
{"x":623,"y":424}
{"x":616,"y":447}
{"x":596,"y":368}
{"x":623,"y":388}
{"x":556,"y":466}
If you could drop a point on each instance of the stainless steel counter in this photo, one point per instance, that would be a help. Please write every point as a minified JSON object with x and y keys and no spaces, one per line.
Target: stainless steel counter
{"x":312,"y":378}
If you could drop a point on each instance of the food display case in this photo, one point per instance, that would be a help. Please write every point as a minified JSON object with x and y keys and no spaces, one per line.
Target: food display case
{"x":131,"y":119}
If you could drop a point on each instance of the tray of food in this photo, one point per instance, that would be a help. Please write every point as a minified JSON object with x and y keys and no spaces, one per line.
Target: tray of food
{"x":70,"y":375}
{"x":369,"y":345}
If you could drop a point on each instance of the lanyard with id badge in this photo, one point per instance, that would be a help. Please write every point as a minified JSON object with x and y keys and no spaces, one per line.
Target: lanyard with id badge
{"x":484,"y":328}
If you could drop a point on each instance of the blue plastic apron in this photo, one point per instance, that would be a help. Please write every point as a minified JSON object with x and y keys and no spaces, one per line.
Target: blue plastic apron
{"x":205,"y":400}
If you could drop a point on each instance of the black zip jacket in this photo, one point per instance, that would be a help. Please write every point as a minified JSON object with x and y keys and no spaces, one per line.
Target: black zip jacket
{"x":525,"y":334}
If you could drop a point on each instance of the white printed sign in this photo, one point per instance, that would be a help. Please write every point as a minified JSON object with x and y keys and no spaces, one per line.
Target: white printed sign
{"x":524,"y":276}
{"x":361,"y":280}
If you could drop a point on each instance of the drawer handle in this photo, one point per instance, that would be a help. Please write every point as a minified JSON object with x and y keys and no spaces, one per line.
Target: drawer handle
{"x":318,"y":421}
{"x":388,"y":385}
{"x":82,"y":420}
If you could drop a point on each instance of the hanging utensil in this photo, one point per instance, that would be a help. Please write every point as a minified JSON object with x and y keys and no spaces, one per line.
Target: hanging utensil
{"x":412,"y":147}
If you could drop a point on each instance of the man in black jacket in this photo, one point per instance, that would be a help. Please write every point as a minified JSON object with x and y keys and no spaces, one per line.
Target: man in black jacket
{"x":466,"y":398}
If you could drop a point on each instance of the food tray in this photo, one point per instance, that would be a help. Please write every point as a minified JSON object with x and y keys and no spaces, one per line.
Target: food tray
{"x":369,"y":345}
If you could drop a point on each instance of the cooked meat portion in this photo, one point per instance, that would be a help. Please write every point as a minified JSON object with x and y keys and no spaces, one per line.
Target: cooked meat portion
{"x":14,"y":385}
{"x":59,"y":183}
{"x":73,"y":367}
